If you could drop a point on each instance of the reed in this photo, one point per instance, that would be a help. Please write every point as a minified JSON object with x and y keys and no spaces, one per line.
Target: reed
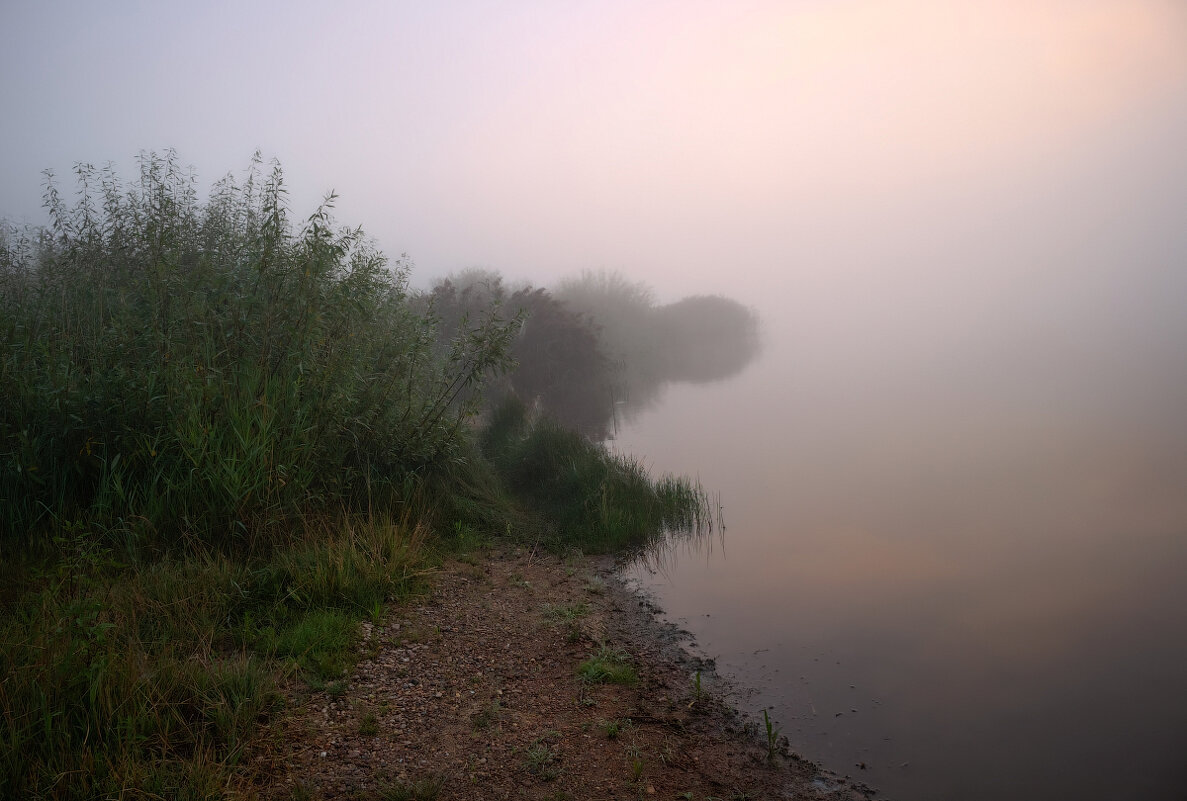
{"x":591,"y":498}
{"x":175,"y":369}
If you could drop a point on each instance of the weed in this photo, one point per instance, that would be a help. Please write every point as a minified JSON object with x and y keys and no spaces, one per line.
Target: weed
{"x":608,"y":666}
{"x":426,"y":789}
{"x":614,"y":728}
{"x":542,"y":760}
{"x":369,"y":725}
{"x":487,"y":716}
{"x":698,"y":692}
{"x":772,"y":736}
{"x":565,"y":612}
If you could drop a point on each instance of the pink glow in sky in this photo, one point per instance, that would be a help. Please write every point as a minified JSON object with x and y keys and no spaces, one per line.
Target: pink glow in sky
{"x":700,"y":146}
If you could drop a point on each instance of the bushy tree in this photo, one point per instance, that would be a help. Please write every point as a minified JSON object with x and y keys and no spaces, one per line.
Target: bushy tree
{"x":559,"y":367}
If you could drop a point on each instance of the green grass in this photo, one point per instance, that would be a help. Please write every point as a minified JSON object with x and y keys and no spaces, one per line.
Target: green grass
{"x":165,"y":674}
{"x":608,"y":666}
{"x":425,"y":789}
{"x":590,"y":498}
{"x":565,"y":613}
{"x":542,"y":758}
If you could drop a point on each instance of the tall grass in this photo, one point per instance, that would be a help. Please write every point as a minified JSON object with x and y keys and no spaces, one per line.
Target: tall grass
{"x":176,"y":368}
{"x":160,"y":677}
{"x":593,"y":499}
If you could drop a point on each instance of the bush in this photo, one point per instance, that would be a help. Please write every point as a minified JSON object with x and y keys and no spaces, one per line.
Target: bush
{"x":170,"y":367}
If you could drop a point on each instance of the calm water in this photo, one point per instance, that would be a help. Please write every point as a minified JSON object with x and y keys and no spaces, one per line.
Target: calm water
{"x":967,"y":573}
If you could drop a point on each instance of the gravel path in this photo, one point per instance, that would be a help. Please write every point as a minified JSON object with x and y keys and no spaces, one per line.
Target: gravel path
{"x":474,"y":692}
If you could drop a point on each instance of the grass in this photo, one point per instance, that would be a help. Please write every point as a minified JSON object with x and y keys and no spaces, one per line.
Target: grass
{"x":591,"y":499}
{"x":542,"y":758}
{"x":488,"y":716}
{"x":424,"y":789}
{"x":698,"y":691}
{"x":772,"y":736}
{"x":613,"y":728}
{"x":565,"y":613}
{"x":608,"y":666}
{"x":165,"y":674}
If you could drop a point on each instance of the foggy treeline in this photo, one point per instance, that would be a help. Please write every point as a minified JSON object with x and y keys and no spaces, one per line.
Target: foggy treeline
{"x":598,"y":347}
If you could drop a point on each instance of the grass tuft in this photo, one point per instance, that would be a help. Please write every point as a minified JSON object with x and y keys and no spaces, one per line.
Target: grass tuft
{"x":608,"y":666}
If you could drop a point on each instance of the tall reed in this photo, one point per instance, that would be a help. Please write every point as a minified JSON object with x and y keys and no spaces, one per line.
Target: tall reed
{"x":173,"y":368}
{"x":592,"y":498}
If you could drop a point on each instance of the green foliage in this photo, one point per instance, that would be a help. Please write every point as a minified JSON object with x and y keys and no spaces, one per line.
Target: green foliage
{"x":565,"y":613}
{"x":596,"y":500}
{"x":608,"y":666}
{"x":543,"y":757}
{"x":160,"y":676}
{"x":772,"y":735}
{"x":426,"y":789}
{"x":170,"y":367}
{"x":614,"y":728}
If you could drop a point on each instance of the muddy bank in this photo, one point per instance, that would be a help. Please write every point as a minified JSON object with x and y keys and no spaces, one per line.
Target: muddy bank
{"x":527,"y":676}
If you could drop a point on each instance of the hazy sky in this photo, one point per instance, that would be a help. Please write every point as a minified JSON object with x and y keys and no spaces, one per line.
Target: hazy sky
{"x":948,"y":159}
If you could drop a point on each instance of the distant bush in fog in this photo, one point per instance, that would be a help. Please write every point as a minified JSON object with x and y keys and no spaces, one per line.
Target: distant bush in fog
{"x":559,"y":364}
{"x":701,"y":338}
{"x":705,"y":338}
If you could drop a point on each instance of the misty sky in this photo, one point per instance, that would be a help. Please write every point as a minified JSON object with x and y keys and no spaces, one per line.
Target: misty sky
{"x":929,"y":174}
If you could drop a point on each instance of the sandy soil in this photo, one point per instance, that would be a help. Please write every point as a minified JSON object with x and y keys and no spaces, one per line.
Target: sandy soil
{"x":474,"y":692}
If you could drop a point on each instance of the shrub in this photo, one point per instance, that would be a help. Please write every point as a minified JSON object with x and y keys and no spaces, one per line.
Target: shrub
{"x":173,"y":367}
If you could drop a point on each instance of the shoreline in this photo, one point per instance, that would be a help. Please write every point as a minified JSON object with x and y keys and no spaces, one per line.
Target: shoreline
{"x":477,"y":691}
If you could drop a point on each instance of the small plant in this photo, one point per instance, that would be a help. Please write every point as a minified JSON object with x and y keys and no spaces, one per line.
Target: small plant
{"x":637,"y":768}
{"x":772,"y":735}
{"x":614,"y":728}
{"x":427,"y":789}
{"x":369,"y":725}
{"x":698,"y":692}
{"x":573,"y":634}
{"x":542,"y":760}
{"x":567,"y":613}
{"x":487,"y":716}
{"x":608,"y":666}
{"x":594,"y":585}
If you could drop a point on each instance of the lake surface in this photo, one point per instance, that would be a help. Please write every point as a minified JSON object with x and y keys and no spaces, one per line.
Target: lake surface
{"x":963,"y":567}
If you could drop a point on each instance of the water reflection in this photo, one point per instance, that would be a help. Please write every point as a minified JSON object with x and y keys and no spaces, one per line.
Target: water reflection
{"x":976,"y":597}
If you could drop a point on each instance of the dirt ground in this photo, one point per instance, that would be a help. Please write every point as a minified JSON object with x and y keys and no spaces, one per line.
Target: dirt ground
{"x":474,"y":692}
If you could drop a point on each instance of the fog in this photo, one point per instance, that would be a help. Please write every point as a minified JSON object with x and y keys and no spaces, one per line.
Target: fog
{"x":983,"y":191}
{"x":962,"y":226}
